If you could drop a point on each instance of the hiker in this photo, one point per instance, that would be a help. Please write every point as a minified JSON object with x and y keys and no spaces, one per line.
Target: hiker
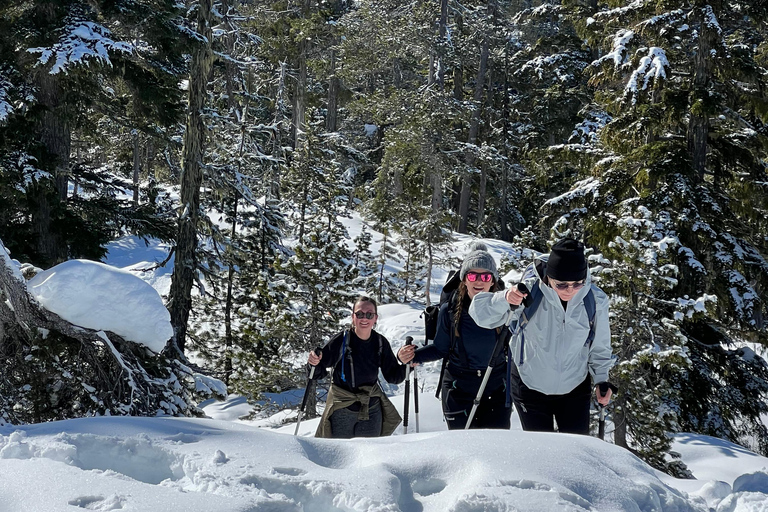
{"x":469,"y":348}
{"x":561,"y":346}
{"x":356,"y":406}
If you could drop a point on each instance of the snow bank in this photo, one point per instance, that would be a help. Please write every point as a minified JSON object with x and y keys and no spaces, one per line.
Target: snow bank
{"x":207,"y":465}
{"x":97,"y":296}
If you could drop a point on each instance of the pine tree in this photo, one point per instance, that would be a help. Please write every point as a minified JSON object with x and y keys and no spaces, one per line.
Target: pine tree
{"x":66,"y":66}
{"x":681,"y":253}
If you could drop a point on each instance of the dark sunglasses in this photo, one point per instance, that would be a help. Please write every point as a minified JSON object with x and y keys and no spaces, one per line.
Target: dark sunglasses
{"x":367,"y":314}
{"x":485,"y":277}
{"x":565,"y":286}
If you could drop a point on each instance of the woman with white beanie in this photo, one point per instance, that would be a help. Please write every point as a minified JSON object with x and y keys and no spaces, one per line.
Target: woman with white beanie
{"x":469,"y":349}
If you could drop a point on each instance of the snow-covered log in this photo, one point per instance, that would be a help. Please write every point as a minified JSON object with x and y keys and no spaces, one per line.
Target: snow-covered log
{"x":53,"y":369}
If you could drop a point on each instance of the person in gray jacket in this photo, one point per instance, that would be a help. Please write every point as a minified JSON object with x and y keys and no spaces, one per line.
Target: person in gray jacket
{"x":555,"y":360}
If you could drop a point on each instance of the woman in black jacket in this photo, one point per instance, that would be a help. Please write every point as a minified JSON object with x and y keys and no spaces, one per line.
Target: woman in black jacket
{"x":469,"y":349}
{"x":356,"y":406}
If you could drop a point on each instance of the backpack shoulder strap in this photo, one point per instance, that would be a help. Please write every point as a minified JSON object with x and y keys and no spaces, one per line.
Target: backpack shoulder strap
{"x":343,"y":353}
{"x":591,"y":307}
{"x":534,"y":299}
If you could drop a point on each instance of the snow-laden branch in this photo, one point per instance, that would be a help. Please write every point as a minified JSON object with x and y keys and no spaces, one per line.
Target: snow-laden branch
{"x":589,"y":186}
{"x":618,"y":53}
{"x":652,"y":67}
{"x":82,"y":42}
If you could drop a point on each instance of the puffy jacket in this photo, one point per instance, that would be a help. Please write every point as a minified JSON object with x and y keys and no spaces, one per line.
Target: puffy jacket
{"x":471,"y":349}
{"x":551,"y":353}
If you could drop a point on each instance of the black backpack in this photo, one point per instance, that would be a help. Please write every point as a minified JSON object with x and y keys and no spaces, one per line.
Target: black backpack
{"x":430,"y":314}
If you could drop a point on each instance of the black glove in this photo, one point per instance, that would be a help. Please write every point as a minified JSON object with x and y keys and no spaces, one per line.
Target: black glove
{"x":605,"y":386}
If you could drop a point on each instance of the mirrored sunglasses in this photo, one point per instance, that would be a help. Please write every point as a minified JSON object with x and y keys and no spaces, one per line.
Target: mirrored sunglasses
{"x":565,"y":286}
{"x":367,"y":314}
{"x":485,"y":277}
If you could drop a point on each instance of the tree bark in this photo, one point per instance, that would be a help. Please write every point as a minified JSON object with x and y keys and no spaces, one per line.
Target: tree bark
{"x":474,"y":128}
{"x":300,"y":94}
{"x":185,"y":262}
{"x":620,"y":428}
{"x":56,"y":137}
{"x":503,"y":218}
{"x":442,"y":31}
{"x":136,"y":166}
{"x":333,"y":97}
{"x":698,"y":124}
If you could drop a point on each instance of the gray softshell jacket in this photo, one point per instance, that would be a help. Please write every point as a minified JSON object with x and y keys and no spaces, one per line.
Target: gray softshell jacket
{"x":551,"y":353}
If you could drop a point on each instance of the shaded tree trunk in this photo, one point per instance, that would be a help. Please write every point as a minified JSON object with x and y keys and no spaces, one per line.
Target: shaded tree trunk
{"x":331,"y":119}
{"x":185,"y":262}
{"x":300,"y":94}
{"x":474,"y":128}
{"x":56,"y":137}
{"x":698,"y":124}
{"x":136,"y":166}
{"x":503,"y":218}
{"x":620,"y":428}
{"x":442,"y":31}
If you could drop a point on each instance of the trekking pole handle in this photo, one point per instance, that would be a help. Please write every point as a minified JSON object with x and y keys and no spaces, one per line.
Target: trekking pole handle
{"x":605,"y":386}
{"x":409,"y":340}
{"x":318,"y":351}
{"x":522,"y":288}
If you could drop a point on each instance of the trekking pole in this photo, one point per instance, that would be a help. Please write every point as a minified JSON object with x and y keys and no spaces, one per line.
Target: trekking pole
{"x":604,"y":387}
{"x":484,"y":383}
{"x":408,"y":341}
{"x":317,"y":351}
{"x":416,"y":399}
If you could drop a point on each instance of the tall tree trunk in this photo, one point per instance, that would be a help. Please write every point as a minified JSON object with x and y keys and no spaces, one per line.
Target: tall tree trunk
{"x":474,"y":127}
{"x":136,"y":165}
{"x":481,"y":193}
{"x":333,"y":97}
{"x":458,"y":71}
{"x":56,"y":137}
{"x":437,"y":190}
{"x":442,"y":43}
{"x":300,"y":95}
{"x":698,"y":124}
{"x":185,"y":262}
{"x":505,"y":200}
{"x":281,"y":119}
{"x":229,"y":342}
{"x":619,"y":428}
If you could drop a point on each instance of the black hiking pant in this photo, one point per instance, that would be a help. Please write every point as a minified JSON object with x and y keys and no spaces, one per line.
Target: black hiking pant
{"x":459,"y":389}
{"x":538,"y":411}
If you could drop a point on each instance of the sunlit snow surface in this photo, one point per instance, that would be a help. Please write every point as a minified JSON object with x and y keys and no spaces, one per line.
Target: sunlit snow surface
{"x":211,"y":465}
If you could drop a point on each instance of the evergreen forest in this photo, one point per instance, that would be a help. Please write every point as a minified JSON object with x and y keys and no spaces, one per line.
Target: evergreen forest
{"x":638,"y":126}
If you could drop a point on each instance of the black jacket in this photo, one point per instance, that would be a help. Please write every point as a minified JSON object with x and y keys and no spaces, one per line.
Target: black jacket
{"x":361,"y":362}
{"x":473,"y":347}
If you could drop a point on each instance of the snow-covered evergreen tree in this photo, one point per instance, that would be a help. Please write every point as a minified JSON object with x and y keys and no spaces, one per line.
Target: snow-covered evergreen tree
{"x":660,"y":198}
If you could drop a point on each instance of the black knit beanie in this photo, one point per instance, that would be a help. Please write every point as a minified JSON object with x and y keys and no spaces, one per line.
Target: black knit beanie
{"x":566,"y":261}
